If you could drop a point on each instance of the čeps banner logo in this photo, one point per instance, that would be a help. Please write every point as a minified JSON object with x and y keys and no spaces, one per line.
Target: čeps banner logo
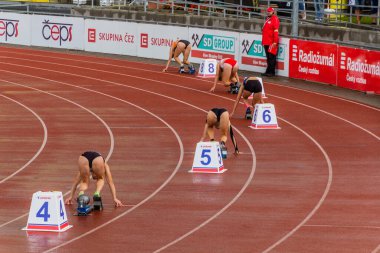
{"x":61,"y":32}
{"x":8,"y":28}
{"x":213,"y":46}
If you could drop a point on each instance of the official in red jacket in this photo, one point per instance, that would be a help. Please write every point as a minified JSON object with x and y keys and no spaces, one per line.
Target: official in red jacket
{"x":270,"y":41}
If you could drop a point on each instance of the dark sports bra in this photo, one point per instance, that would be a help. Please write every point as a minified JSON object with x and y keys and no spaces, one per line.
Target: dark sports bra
{"x":91,"y":155}
{"x":253,"y":86}
{"x":218,"y":112}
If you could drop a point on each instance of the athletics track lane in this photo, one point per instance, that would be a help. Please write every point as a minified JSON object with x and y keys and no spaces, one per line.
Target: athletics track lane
{"x":268,"y":208}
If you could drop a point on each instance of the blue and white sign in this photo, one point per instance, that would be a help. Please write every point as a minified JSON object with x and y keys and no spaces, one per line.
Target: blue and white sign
{"x":208,"y":158}
{"x":264,"y":117}
{"x":47,"y":213}
{"x":207,"y":68}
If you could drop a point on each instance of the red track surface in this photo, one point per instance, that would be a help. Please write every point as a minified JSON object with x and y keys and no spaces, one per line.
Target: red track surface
{"x":310,"y":187}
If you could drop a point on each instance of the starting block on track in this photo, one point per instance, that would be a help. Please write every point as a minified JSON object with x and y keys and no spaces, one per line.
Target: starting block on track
{"x":207,"y":69}
{"x":262,"y":85}
{"x":264,"y":117}
{"x":84,"y":207}
{"x":47,"y":213}
{"x":208,"y":158}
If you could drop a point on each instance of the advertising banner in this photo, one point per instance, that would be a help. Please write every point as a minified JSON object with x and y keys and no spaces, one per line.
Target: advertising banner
{"x":110,"y":37}
{"x":313,"y":61}
{"x":154,"y":41}
{"x":253,"y":58}
{"x":15,"y":28}
{"x":58,"y":32}
{"x":359,"y":69}
{"x":213,"y":44}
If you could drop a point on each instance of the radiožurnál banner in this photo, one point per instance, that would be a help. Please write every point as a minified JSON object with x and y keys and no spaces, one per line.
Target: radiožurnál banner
{"x":313,"y":61}
{"x":359,"y":69}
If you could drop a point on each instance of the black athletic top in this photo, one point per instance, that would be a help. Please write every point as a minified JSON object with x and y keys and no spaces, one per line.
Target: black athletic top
{"x":218,"y":112}
{"x":253,"y":86}
{"x":91,"y":155}
{"x":184,"y":42}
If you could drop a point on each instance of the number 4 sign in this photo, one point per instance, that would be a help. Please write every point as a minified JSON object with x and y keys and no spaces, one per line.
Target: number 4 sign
{"x":47,"y":213}
{"x":207,"y":68}
{"x":208,"y":158}
{"x":264,"y":117}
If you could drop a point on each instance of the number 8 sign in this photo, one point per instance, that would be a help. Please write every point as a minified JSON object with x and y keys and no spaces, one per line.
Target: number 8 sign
{"x":207,"y":68}
{"x":47,"y":212}
{"x":208,"y":158}
{"x":264,"y":117}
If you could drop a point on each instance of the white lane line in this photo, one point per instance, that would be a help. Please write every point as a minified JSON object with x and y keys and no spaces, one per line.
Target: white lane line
{"x":180,"y":160}
{"x":252,"y":172}
{"x":137,"y":127}
{"x":43,"y":144}
{"x":154,"y":193}
{"x":138,"y":77}
{"x":314,"y":108}
{"x":97,"y":62}
{"x":342,"y":226}
{"x":321,"y":200}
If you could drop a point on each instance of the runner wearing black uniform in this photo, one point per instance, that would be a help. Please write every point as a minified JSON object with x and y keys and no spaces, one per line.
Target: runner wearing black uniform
{"x":250,"y":85}
{"x":92,"y":165}
{"x":219,"y":118}
{"x":180,"y":47}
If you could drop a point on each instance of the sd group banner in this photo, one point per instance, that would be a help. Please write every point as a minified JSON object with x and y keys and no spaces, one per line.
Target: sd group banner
{"x":57,"y":32}
{"x":313,"y":61}
{"x":15,"y":28}
{"x":359,"y":69}
{"x":253,"y":58}
{"x":213,"y":44}
{"x":110,"y":37}
{"x":154,"y":41}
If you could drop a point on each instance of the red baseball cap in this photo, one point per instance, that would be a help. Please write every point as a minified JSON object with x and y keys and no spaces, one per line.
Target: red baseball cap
{"x":270,"y":9}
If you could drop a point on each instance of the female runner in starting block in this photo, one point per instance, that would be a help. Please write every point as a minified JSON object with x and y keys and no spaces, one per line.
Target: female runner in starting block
{"x":250,"y":85}
{"x":227,"y":72}
{"x":180,"y":47}
{"x":219,"y":118}
{"x":92,"y":164}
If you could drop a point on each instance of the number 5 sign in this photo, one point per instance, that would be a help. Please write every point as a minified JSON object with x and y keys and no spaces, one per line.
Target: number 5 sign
{"x":208,"y":158}
{"x":207,"y":68}
{"x":264,"y":117}
{"x":47,"y":213}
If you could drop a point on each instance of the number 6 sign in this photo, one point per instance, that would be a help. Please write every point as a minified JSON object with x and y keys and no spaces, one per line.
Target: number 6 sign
{"x":207,"y":68}
{"x":47,"y":213}
{"x":208,"y":158}
{"x":264,"y":117}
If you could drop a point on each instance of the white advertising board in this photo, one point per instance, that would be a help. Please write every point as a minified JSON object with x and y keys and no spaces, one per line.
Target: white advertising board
{"x":154,"y":41}
{"x":213,"y":44}
{"x":15,"y":28}
{"x":58,"y":32}
{"x":252,"y":54}
{"x":110,"y":37}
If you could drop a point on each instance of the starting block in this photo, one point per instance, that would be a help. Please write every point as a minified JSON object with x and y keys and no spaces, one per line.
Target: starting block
{"x":98,"y":205}
{"x":191,"y":71}
{"x":47,"y":213}
{"x":264,"y":117}
{"x":248,"y":113}
{"x":208,"y":158}
{"x":262,"y":85}
{"x":84,"y":207}
{"x":207,"y":69}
